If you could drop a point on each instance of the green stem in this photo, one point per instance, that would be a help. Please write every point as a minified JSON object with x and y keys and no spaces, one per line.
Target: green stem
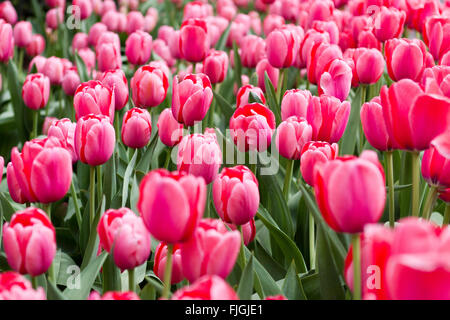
{"x":430,"y":202}
{"x":390,"y":176}
{"x":312,"y":249}
{"x":361,"y":131}
{"x":34,"y":282}
{"x":446,"y":214}
{"x":281,"y":85}
{"x":92,"y":196}
{"x":168,"y":272}
{"x":131,"y":280}
{"x":21,"y":56}
{"x":99,"y":183}
{"x":75,"y":203}
{"x":415,"y":183}
{"x":241,"y":257}
{"x":51,"y":270}
{"x":167,"y":162}
{"x":117,"y":126}
{"x":356,"y":243}
{"x":288,"y":178}
{"x":35,"y":124}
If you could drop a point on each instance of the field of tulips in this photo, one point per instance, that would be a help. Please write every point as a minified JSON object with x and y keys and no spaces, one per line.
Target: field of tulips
{"x":225,"y":150}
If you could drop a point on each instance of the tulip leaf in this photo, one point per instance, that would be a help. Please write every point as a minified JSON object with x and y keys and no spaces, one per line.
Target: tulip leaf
{"x":311,"y":286}
{"x":126,"y":178}
{"x":286,"y":244}
{"x":87,"y":278}
{"x":111,"y":275}
{"x":252,"y":97}
{"x":237,"y":66}
{"x":144,"y":164}
{"x":272,"y":98}
{"x":110,"y":183}
{"x":8,"y":207}
{"x":220,"y":45}
{"x":53,"y":293}
{"x":1,"y":226}
{"x":245,"y":288}
{"x":81,"y":68}
{"x":292,"y":286}
{"x":40,"y":17}
{"x":148,"y":292}
{"x":154,"y":281}
{"x":20,"y":110}
{"x":225,"y":106}
{"x":349,"y":139}
{"x":330,"y":279}
{"x":65,"y":269}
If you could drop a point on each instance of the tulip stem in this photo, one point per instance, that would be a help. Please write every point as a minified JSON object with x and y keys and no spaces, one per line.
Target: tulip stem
{"x":241,"y":257}
{"x":288,"y":178}
{"x":281,"y":85}
{"x":117,"y":126}
{"x":35,"y":124}
{"x":361,"y":131}
{"x":446,"y":215}
{"x":99,"y":183}
{"x":92,"y":196}
{"x":34,"y":282}
{"x":390,"y":173}
{"x":75,"y":203}
{"x":131,"y":280}
{"x":167,"y":162}
{"x":356,"y":243}
{"x":168,"y":272}
{"x":312,"y":243}
{"x":415,"y":183}
{"x":430,"y":202}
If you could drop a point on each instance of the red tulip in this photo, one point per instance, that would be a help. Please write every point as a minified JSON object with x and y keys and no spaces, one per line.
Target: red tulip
{"x":194,"y":40}
{"x":159,"y":266}
{"x":243,"y":95}
{"x":315,"y":154}
{"x":13,"y":286}
{"x":206,"y":288}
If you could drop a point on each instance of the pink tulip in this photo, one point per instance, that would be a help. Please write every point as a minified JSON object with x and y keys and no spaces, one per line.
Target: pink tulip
{"x":8,"y":12}
{"x":315,"y":154}
{"x":215,"y":66}
{"x":320,"y":57}
{"x":108,"y":57}
{"x":264,"y":67}
{"x":252,"y":127}
{"x":80,"y":41}
{"x":405,"y":58}
{"x":295,"y":103}
{"x":36,"y":91}
{"x":64,"y":131}
{"x":191,"y":98}
{"x":2,"y":166}
{"x":236,"y":195}
{"x":159,"y":266}
{"x":197,"y":10}
{"x":369,"y":66}
{"x":388,"y":23}
{"x":336,"y":80}
{"x":311,"y":39}
{"x":253,"y":50}
{"x":124,"y":235}
{"x":88,"y":57}
{"x":36,"y":46}
{"x":83,"y":7}
{"x":206,"y":288}
{"x":163,"y":51}
{"x":6,"y":41}
{"x":135,"y":21}
{"x":169,"y":130}
{"x":200,"y":155}
{"x":114,"y":295}
{"x":136,"y":128}
{"x":167,"y":220}
{"x":95,"y":32}
{"x":94,"y":97}
{"x":29,"y":241}
{"x":272,"y":22}
{"x":194,"y":40}
{"x":54,"y":18}
{"x":435,"y":168}
{"x":42,"y":171}
{"x":13,"y":286}
{"x":116,"y":81}
{"x":248,"y":231}
{"x":281,"y":47}
{"x":149,"y":87}
{"x":413,"y":111}
{"x":94,"y":139}
{"x":436,"y":80}
{"x":343,"y":187}
{"x":329,"y":27}
{"x":70,"y":82}
{"x":292,"y":134}
{"x":138,"y":47}
{"x":23,"y":32}
{"x":436,"y":35}
{"x":320,"y":11}
{"x":54,"y":70}
{"x":212,"y":250}
{"x":243,"y":95}
{"x":328,"y":117}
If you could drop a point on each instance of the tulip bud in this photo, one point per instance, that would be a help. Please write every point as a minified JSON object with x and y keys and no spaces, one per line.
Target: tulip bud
{"x":314,"y":154}
{"x":236,"y":195}
{"x":116,"y":81}
{"x":54,"y":18}
{"x":138,"y":47}
{"x":94,"y":139}
{"x":70,"y":82}
{"x":194,"y":40}
{"x":93,"y":97}
{"x":369,"y":66}
{"x":292,"y":134}
{"x":80,"y":41}
{"x":281,"y":47}
{"x":54,"y":70}
{"x":209,"y":287}
{"x":169,"y":129}
{"x":212,"y":250}
{"x":13,"y":286}
{"x":23,"y":32}
{"x":36,"y":45}
{"x":149,"y":87}
{"x":248,"y":231}
{"x":6,"y":41}
{"x":351,"y":181}
{"x":167,"y":220}
{"x":264,"y":67}
{"x":191,"y":98}
{"x":114,"y":295}
{"x":36,"y":91}
{"x":215,"y":66}
{"x":83,"y":7}
{"x":108,"y":57}
{"x":8,"y":12}
{"x":29,"y":241}
{"x":243,"y":95}
{"x":136,"y":128}
{"x":252,"y":127}
{"x":295,"y":103}
{"x":124,"y":235}
{"x":95,"y":32}
{"x":159,"y":267}
{"x":253,"y":51}
{"x":135,"y":21}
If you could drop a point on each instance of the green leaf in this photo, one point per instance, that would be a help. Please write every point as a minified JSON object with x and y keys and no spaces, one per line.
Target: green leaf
{"x":245,"y":288}
{"x":348,"y":141}
{"x":8,"y":208}
{"x":330,"y":279}
{"x":148,"y":292}
{"x":20,"y":111}
{"x":126,"y":178}
{"x":110,"y":185}
{"x":220,"y":45}
{"x":63,"y":272}
{"x":53,"y":293}
{"x":286,"y":244}
{"x":253,"y":97}
{"x":292,"y":286}
{"x":272,"y":98}
{"x":144,"y":164}
{"x":225,"y":106}
{"x":81,"y":67}
{"x":87,"y":278}
{"x":311,"y":286}
{"x":237,"y":66}
{"x":111,"y":275}
{"x":155,"y":282}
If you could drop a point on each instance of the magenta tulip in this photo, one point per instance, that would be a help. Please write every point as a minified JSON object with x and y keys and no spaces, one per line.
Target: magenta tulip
{"x":194,"y":40}
{"x":292,"y":134}
{"x":206,"y":288}
{"x":243,"y":95}
{"x":169,"y":129}
{"x":116,"y":81}
{"x":13,"y":286}
{"x":215,"y":66}
{"x":159,"y":265}
{"x":36,"y":91}
{"x":136,"y":128}
{"x":138,"y":47}
{"x":149,"y":87}
{"x":315,"y":154}
{"x":94,"y":97}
